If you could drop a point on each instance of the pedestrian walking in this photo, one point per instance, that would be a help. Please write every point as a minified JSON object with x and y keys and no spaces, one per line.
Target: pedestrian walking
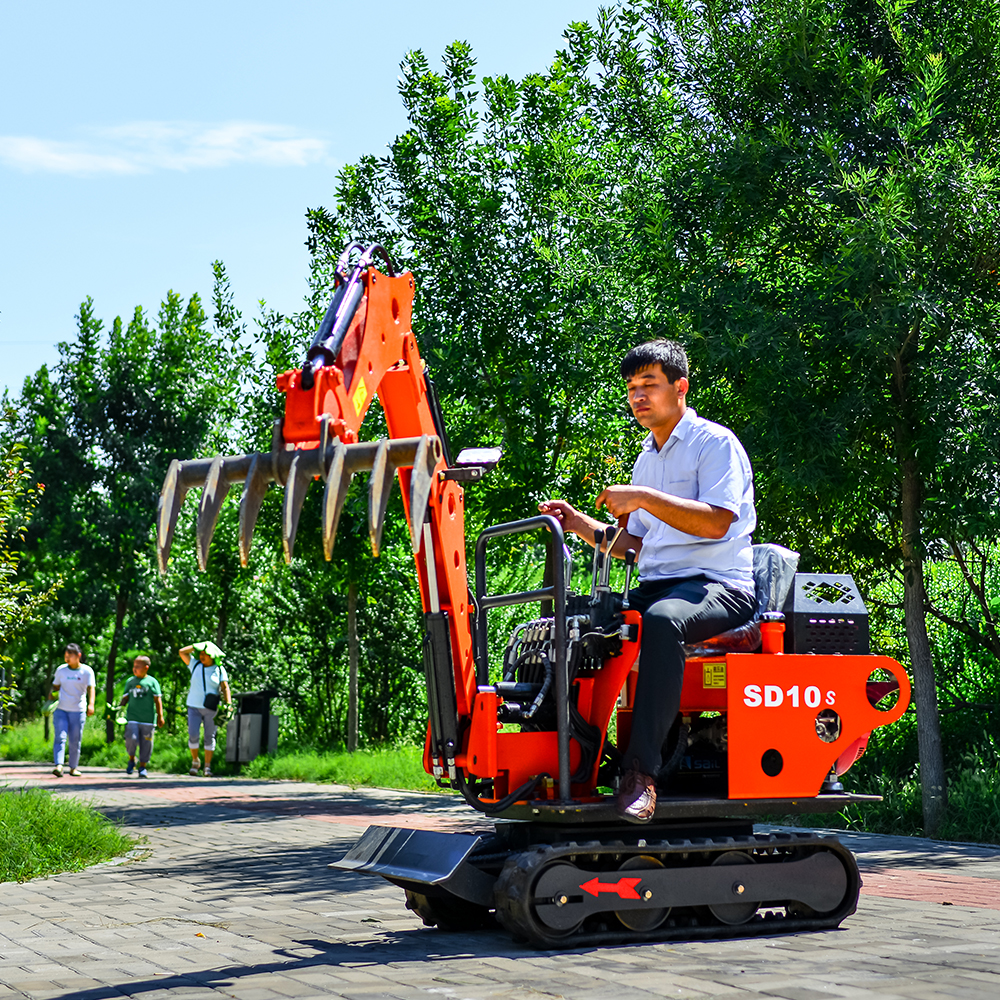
{"x":75,"y":687}
{"x":143,"y":698}
{"x":209,"y":686}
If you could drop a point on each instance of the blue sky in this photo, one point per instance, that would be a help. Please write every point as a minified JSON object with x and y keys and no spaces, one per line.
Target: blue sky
{"x":139,"y":142}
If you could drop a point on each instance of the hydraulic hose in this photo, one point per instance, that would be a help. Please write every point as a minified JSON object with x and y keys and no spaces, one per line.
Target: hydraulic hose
{"x":492,"y":808}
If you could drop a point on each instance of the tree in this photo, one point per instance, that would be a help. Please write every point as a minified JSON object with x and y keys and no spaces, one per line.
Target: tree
{"x":829,"y":235}
{"x":467,"y":198}
{"x":103,"y":431}
{"x":20,"y":602}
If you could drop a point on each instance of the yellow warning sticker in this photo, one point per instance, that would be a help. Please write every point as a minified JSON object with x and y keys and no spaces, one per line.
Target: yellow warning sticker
{"x":715,"y":675}
{"x":359,"y":397}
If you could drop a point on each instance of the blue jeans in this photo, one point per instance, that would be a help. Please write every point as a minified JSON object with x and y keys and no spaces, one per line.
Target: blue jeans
{"x":67,"y":725}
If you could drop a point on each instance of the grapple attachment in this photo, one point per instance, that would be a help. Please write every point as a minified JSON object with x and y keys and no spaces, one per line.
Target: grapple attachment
{"x":332,"y":461}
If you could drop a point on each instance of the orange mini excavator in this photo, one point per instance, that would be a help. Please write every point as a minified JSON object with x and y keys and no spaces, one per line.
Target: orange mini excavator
{"x":771,"y":715}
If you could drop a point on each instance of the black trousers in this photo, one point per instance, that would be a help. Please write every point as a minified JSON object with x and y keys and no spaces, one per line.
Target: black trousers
{"x":674,"y":612}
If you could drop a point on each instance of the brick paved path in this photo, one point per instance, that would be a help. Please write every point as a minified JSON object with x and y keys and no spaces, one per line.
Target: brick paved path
{"x":231,"y":897}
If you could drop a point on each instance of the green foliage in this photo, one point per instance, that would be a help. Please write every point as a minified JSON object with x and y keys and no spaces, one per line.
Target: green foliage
{"x":20,"y":603}
{"x":42,"y":834}
{"x":466,"y":198}
{"x":27,"y":741}
{"x":102,"y":430}
{"x":385,"y":767}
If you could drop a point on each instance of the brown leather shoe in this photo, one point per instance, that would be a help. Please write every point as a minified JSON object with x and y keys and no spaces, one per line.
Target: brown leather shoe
{"x":636,"y":796}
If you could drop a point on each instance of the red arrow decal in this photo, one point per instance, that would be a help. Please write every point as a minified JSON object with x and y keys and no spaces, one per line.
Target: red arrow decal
{"x":624,"y":887}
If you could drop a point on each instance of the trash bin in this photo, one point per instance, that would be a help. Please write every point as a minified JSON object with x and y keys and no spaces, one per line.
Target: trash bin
{"x":253,"y":729}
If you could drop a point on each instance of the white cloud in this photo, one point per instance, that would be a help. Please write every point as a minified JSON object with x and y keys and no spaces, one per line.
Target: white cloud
{"x":143,"y":147}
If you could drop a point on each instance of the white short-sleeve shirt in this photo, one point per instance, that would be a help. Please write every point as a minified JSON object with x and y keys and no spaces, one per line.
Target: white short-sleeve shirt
{"x":204,"y":680}
{"x":73,"y":686}
{"x":705,"y":461}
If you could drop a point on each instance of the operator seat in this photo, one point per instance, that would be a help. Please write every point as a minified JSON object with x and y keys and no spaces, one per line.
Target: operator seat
{"x":774,"y":569}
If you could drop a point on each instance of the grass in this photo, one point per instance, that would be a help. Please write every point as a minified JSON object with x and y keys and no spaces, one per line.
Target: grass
{"x":43,"y":835}
{"x":27,"y":742}
{"x":383,"y":767}
{"x":973,"y":792}
{"x":390,"y":767}
{"x":973,"y":813}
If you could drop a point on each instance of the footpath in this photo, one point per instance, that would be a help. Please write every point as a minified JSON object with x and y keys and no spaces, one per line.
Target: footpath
{"x":229,"y":895}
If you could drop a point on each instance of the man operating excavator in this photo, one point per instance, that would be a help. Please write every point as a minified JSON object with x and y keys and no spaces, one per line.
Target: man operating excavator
{"x":688,"y":513}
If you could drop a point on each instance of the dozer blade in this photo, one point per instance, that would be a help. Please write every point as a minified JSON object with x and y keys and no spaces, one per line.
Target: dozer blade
{"x":216,"y":488}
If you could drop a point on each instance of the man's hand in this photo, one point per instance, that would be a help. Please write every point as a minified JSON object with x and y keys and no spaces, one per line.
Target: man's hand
{"x":693,"y":517}
{"x":621,"y":500}
{"x":90,"y":710}
{"x":566,"y":514}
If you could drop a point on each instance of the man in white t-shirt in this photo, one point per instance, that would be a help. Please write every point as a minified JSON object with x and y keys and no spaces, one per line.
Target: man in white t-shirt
{"x":688,"y":513}
{"x":75,"y":686}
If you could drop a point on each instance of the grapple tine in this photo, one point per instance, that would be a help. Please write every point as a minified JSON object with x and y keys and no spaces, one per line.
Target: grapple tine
{"x":214,"y":492}
{"x":379,"y":485}
{"x":421,"y":485}
{"x":337,"y":482}
{"x":300,"y":478}
{"x":258,"y":477}
{"x":171,"y":497}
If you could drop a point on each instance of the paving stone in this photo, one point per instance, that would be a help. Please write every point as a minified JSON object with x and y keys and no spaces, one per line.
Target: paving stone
{"x":255,"y":913}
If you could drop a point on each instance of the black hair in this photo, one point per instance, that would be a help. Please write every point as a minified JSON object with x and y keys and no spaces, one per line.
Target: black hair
{"x":668,"y":354}
{"x":73,"y":648}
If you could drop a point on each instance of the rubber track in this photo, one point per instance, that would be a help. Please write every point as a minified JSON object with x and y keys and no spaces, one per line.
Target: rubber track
{"x":513,"y":892}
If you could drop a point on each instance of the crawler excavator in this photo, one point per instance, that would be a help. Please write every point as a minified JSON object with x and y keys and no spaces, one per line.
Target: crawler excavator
{"x":770,"y":716}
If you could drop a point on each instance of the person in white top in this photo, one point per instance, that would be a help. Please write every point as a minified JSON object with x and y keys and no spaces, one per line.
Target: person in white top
{"x":688,"y":513}
{"x":74,"y":684}
{"x":209,"y":686}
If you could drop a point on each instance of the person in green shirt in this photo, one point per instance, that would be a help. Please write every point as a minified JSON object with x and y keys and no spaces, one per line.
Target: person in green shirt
{"x":143,"y":698}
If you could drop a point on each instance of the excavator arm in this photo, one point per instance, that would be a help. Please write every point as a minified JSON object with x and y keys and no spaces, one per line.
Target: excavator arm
{"x":363,"y":347}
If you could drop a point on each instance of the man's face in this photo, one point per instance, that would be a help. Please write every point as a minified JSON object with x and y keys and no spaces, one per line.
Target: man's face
{"x":140,"y":669}
{"x":205,"y":658}
{"x":654,"y":401}
{"x":73,"y":659}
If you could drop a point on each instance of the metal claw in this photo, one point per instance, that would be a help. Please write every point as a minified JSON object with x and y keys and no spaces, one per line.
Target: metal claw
{"x":300,"y":477}
{"x":383,"y":471}
{"x":214,"y":492}
{"x":258,"y":477}
{"x":338,"y":479}
{"x":171,"y":497}
{"x":421,"y":485}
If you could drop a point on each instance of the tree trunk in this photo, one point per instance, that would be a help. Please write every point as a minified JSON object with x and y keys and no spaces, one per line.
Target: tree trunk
{"x":352,"y":667}
{"x":932,"y":776}
{"x":220,"y":631}
{"x":121,"y":605}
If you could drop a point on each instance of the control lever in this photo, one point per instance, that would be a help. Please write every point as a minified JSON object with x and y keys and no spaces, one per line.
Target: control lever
{"x":611,"y":536}
{"x":629,"y":563}
{"x":598,"y":535}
